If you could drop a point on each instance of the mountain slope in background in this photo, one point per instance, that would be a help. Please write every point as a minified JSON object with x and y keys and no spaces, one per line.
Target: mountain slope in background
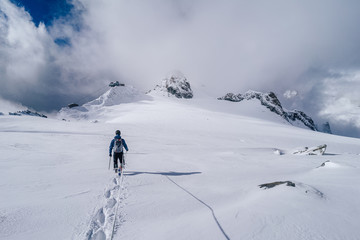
{"x":178,"y":86}
{"x":270,"y":101}
{"x":114,"y":96}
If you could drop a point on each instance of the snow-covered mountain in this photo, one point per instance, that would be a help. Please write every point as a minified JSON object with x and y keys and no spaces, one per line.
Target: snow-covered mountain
{"x":175,"y":84}
{"x":270,"y":101}
{"x":117,"y":95}
{"x":198,"y":169}
{"x":114,"y":96}
{"x":178,"y":86}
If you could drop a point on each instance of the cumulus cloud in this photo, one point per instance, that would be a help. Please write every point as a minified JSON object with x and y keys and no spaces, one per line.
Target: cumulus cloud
{"x":341,"y":103}
{"x":290,"y":94}
{"x":241,"y":44}
{"x":225,"y":46}
{"x":27,"y":58}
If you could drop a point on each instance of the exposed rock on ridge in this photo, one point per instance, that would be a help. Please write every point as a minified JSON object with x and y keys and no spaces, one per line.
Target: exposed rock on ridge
{"x":28,"y":113}
{"x":301,"y":116}
{"x":270,"y":101}
{"x":176,"y":84}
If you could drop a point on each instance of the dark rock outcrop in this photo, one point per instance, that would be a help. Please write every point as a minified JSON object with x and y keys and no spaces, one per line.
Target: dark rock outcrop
{"x":270,"y":101}
{"x":302,"y":117}
{"x":304,"y":188}
{"x":177,"y":85}
{"x":324,"y":164}
{"x":116,"y":84}
{"x":318,"y":150}
{"x":273,"y":184}
{"x":28,"y":113}
{"x":71,"y":105}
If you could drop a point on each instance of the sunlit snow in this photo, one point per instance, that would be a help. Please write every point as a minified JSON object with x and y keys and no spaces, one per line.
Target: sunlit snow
{"x":193,"y":171}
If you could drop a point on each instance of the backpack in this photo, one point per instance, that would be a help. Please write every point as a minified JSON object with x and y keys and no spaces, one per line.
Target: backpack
{"x":118,"y":145}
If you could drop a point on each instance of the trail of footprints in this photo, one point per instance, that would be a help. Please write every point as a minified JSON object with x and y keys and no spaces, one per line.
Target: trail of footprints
{"x":102,"y":223}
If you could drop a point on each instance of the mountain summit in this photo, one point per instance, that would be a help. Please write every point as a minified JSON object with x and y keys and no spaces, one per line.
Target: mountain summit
{"x":175,"y":84}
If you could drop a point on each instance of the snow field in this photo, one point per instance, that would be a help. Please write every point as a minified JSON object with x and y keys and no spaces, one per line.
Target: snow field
{"x":193,"y":172}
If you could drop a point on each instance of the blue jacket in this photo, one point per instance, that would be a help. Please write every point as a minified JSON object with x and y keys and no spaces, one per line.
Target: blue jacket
{"x":113,"y":142}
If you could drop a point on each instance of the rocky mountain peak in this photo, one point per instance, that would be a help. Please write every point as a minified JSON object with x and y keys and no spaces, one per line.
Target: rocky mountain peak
{"x":175,"y":84}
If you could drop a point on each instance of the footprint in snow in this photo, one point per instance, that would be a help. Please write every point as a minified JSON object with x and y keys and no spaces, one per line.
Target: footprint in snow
{"x":99,"y":235}
{"x":115,"y":181}
{"x":106,"y":214}
{"x":110,"y":203}
{"x":100,"y":216}
{"x":107,"y":194}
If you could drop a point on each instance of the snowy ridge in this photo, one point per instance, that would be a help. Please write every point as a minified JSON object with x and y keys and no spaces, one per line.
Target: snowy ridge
{"x":27,"y":113}
{"x":302,"y":117}
{"x":117,"y":95}
{"x":114,"y":96}
{"x":176,"y":85}
{"x":270,"y":101}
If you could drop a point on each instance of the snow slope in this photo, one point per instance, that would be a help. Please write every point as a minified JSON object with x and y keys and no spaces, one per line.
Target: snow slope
{"x":114,"y":96}
{"x":193,"y":172}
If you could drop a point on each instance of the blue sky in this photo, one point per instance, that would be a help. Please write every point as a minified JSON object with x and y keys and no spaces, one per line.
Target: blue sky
{"x":45,"y":10}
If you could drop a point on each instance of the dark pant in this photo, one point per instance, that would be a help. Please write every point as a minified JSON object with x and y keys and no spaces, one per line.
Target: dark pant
{"x":116,"y":157}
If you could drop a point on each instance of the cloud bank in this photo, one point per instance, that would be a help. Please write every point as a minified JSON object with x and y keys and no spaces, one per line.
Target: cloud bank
{"x":311,"y":47}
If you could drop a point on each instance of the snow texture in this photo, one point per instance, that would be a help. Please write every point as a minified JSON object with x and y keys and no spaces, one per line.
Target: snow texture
{"x":193,"y":172}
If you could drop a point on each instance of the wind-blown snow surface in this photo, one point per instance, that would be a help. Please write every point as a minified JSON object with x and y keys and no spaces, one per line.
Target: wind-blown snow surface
{"x":192,"y":172}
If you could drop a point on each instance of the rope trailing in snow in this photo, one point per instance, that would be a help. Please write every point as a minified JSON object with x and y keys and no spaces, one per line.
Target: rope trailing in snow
{"x":212,"y":211}
{"x":117,"y":205}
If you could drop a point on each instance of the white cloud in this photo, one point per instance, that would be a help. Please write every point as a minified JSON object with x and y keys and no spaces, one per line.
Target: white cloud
{"x":241,"y":44}
{"x":26,"y":52}
{"x":290,"y":94}
{"x":341,"y":101}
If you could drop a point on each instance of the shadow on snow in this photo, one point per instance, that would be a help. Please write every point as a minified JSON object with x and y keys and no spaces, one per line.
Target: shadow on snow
{"x":133,"y":173}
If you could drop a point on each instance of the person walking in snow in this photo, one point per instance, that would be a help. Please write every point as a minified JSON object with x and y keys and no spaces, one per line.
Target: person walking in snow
{"x":118,"y":144}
